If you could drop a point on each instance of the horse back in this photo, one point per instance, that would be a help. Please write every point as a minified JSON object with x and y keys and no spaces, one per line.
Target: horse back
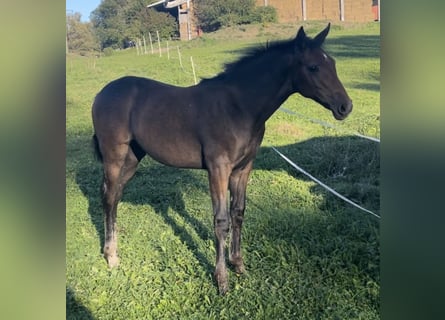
{"x":177,"y":126}
{"x":151,"y":113}
{"x":118,"y":97}
{"x":114,"y":104}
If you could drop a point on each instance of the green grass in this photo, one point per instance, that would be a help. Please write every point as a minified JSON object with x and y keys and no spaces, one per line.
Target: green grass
{"x":308,"y":254}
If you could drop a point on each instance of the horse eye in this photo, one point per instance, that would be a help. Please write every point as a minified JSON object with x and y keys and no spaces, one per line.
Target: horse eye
{"x":313,"y":68}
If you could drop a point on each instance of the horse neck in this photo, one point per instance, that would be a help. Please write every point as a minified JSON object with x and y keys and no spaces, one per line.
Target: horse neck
{"x":261,"y":93}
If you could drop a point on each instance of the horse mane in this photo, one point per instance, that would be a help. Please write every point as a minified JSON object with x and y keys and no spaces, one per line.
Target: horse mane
{"x":253,"y":53}
{"x":250,"y":55}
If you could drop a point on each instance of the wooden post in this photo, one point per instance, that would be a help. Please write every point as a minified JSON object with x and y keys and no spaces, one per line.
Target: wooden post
{"x":151,"y":42}
{"x":159,"y":43}
{"x":168,"y":52}
{"x":303,"y":7}
{"x":180,"y":59}
{"x":378,"y":3}
{"x":342,"y":10}
{"x":193,"y":69}
{"x":145,"y":46}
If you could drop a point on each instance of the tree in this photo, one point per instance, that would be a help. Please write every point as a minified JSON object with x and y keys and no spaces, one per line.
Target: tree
{"x":80,"y":36}
{"x":163,"y":22}
{"x":108,"y":23}
{"x":116,"y":22}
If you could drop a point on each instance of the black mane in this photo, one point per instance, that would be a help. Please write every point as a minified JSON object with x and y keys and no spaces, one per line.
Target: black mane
{"x":250,"y":55}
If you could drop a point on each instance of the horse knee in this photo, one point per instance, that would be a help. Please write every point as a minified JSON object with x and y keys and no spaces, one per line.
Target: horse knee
{"x":237,"y":215}
{"x":222,"y":225}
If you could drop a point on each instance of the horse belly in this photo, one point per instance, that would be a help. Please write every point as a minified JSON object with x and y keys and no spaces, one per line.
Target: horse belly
{"x":175,"y":152}
{"x":166,"y":128}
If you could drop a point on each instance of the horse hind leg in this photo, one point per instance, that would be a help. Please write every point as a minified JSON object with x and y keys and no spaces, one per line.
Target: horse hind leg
{"x":117,"y":172}
{"x":237,"y":186}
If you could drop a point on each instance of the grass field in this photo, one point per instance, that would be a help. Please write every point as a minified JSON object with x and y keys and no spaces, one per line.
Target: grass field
{"x":308,"y":254}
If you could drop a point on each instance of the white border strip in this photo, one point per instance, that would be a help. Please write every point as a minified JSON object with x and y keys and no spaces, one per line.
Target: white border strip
{"x":325,"y":124}
{"x":322,"y":184}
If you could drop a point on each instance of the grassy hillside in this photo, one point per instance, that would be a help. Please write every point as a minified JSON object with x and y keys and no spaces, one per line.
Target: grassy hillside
{"x":308,"y":254}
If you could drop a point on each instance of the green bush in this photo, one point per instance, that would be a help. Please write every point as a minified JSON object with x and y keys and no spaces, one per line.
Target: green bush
{"x":162,"y":22}
{"x":214,"y":14}
{"x":264,"y":14}
{"x":108,"y":51}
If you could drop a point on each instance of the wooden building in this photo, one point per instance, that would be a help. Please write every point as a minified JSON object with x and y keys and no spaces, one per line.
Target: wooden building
{"x":289,"y":11}
{"x":187,"y":27}
{"x":334,"y":10}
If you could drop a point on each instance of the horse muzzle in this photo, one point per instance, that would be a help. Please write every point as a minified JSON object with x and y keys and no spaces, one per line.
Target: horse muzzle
{"x":342,"y":110}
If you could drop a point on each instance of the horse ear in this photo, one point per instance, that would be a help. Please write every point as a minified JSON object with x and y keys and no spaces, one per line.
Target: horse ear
{"x":319,"y":39}
{"x":300,"y":39}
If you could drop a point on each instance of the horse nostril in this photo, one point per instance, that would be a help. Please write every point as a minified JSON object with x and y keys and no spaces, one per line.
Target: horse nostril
{"x":345,"y":108}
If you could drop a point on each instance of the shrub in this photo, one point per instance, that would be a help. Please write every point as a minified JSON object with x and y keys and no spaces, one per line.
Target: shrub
{"x":214,"y":14}
{"x":108,"y":51}
{"x":162,"y":22}
{"x":264,"y":14}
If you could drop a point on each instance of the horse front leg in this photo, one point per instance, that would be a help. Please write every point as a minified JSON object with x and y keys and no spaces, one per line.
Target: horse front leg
{"x":237,"y":186}
{"x":218,"y":181}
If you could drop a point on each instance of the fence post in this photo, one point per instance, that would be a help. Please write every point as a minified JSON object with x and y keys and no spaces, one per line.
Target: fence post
{"x":151,"y":42}
{"x":180,"y":59}
{"x":159,"y":43}
{"x":193,"y":69}
{"x":145,"y":46}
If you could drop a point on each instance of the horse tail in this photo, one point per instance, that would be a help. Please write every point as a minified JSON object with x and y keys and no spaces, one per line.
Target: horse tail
{"x":97,"y":149}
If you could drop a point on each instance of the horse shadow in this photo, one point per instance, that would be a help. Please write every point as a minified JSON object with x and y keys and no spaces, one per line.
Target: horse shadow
{"x":332,"y":227}
{"x":354,"y":46}
{"x":158,"y":186}
{"x":75,"y":309}
{"x":348,"y":164}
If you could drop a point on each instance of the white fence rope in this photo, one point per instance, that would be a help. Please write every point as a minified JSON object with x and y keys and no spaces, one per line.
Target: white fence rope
{"x":325,"y":124}
{"x":322,"y":184}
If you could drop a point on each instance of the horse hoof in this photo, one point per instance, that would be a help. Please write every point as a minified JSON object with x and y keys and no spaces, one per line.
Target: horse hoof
{"x":238,"y":265}
{"x":223,"y":284}
{"x":240,"y":269}
{"x":223,"y":288}
{"x":113,"y":261}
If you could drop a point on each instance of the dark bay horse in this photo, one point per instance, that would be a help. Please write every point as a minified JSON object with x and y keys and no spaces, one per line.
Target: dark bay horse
{"x":216,"y":125}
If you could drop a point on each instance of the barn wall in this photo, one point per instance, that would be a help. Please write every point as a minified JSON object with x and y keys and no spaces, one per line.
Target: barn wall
{"x":186,"y":21}
{"x":322,"y":10}
{"x":287,"y":11}
{"x":358,"y":10}
{"x":292,"y":11}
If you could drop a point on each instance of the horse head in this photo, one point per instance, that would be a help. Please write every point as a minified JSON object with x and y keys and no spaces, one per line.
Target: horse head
{"x":316,"y":76}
